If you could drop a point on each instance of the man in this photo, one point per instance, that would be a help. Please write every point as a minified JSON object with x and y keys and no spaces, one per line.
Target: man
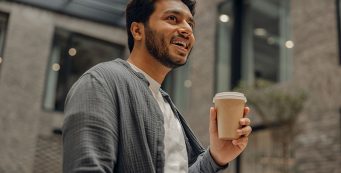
{"x":119,"y":120}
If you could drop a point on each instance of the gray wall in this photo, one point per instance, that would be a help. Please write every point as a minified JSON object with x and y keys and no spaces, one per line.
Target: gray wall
{"x":27,"y":48}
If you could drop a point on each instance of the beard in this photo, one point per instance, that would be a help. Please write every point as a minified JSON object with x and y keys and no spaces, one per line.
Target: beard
{"x":157,"y":47}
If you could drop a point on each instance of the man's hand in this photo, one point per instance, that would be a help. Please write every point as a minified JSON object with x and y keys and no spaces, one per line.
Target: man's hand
{"x":224,"y":151}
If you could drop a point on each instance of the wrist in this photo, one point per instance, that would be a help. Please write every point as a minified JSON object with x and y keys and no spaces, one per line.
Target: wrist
{"x":216,"y":159}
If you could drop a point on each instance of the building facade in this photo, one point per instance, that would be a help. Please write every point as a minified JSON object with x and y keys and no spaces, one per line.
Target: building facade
{"x":285,"y":44}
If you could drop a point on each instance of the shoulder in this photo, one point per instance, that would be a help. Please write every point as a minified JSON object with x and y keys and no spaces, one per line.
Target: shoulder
{"x":98,"y":80}
{"x":108,"y":68}
{"x":110,"y":71}
{"x":103,"y":75}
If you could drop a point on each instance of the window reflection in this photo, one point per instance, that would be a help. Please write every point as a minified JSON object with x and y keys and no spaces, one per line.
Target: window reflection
{"x":71,"y":55}
{"x":265,"y":19}
{"x":253,"y":43}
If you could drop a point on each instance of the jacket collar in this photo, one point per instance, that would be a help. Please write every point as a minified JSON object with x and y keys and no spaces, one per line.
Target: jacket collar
{"x":141,"y":76}
{"x":138,"y":74}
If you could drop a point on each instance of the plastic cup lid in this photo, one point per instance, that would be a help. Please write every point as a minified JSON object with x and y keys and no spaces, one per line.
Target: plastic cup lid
{"x":229,"y":95}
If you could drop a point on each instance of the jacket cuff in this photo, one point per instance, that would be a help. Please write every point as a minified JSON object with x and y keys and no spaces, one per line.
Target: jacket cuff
{"x":214,"y":165}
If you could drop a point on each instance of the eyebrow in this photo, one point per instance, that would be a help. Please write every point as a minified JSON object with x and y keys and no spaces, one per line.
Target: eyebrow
{"x":177,"y":12}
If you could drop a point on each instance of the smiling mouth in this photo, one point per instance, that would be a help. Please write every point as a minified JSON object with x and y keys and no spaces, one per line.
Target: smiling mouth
{"x":182,"y":44}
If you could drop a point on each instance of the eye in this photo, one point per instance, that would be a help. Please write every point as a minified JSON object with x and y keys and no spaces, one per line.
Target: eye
{"x":172,"y":18}
{"x":191,"y":24}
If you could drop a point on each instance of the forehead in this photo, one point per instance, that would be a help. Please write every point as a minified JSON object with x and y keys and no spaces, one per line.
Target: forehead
{"x":168,"y":6}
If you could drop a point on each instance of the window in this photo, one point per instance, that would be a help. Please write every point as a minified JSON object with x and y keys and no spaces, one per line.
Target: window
{"x":253,"y":41}
{"x":268,"y":33}
{"x":338,"y":17}
{"x":177,"y":85}
{"x":71,"y":55}
{"x":3,"y":30}
{"x":254,"y":47}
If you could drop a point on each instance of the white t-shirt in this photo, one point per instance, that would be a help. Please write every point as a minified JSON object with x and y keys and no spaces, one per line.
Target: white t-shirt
{"x":176,"y":159}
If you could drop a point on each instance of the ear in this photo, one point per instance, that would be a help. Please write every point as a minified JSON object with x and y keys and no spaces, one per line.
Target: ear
{"x":137,"y":30}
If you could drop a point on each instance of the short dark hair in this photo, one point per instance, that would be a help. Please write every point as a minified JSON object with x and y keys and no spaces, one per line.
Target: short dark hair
{"x":141,"y":10}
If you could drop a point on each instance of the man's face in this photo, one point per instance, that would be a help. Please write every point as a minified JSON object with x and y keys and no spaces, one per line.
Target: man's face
{"x":169,"y":33}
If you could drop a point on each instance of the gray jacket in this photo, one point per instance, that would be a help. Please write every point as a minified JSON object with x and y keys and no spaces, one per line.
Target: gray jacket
{"x":113,"y":124}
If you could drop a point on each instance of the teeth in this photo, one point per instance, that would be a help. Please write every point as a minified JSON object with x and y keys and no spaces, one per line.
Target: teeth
{"x":181,"y":43}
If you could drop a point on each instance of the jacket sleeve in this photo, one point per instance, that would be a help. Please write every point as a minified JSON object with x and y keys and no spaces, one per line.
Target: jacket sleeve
{"x":205,"y":164}
{"x":90,"y":129}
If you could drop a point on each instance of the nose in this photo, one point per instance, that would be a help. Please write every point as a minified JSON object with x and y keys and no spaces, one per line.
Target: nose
{"x":185,"y":30}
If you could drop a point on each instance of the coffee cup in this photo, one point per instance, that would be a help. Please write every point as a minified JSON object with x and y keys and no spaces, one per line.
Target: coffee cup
{"x":230,"y":109}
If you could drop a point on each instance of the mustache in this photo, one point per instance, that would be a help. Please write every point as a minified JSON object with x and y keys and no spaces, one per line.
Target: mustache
{"x":180,"y":36}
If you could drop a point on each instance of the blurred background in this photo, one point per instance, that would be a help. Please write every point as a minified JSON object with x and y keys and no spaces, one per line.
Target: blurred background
{"x":283,"y":54}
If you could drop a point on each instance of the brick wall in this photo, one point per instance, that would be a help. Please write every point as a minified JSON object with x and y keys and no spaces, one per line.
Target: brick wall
{"x":316,"y":68}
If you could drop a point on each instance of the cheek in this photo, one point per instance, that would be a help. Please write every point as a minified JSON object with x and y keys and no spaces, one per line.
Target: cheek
{"x":165,"y":40}
{"x":193,"y":40}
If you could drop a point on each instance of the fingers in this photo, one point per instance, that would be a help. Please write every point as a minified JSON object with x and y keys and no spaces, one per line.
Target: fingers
{"x":241,"y":142}
{"x":213,"y":114}
{"x":246,"y":111}
{"x":245,"y":131}
{"x":245,"y":122}
{"x":213,"y":120}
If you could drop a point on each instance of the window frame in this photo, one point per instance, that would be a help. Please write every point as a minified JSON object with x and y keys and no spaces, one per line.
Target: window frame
{"x":104,"y":11}
{"x":5,"y":17}
{"x":338,"y":24}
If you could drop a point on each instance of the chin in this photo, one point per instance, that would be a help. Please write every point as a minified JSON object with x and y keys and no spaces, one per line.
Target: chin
{"x":180,"y":61}
{"x":180,"y":57}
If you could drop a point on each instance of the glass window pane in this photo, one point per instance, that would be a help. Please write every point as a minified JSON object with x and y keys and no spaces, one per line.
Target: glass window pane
{"x":266,"y":44}
{"x":3,"y":30}
{"x":266,"y":21}
{"x":71,"y":55}
{"x":177,"y":85}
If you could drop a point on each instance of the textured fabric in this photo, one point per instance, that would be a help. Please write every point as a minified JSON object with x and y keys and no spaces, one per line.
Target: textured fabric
{"x":113,"y":124}
{"x":174,"y":141}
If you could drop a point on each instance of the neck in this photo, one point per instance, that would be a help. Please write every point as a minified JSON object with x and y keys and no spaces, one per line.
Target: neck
{"x":147,"y":63}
